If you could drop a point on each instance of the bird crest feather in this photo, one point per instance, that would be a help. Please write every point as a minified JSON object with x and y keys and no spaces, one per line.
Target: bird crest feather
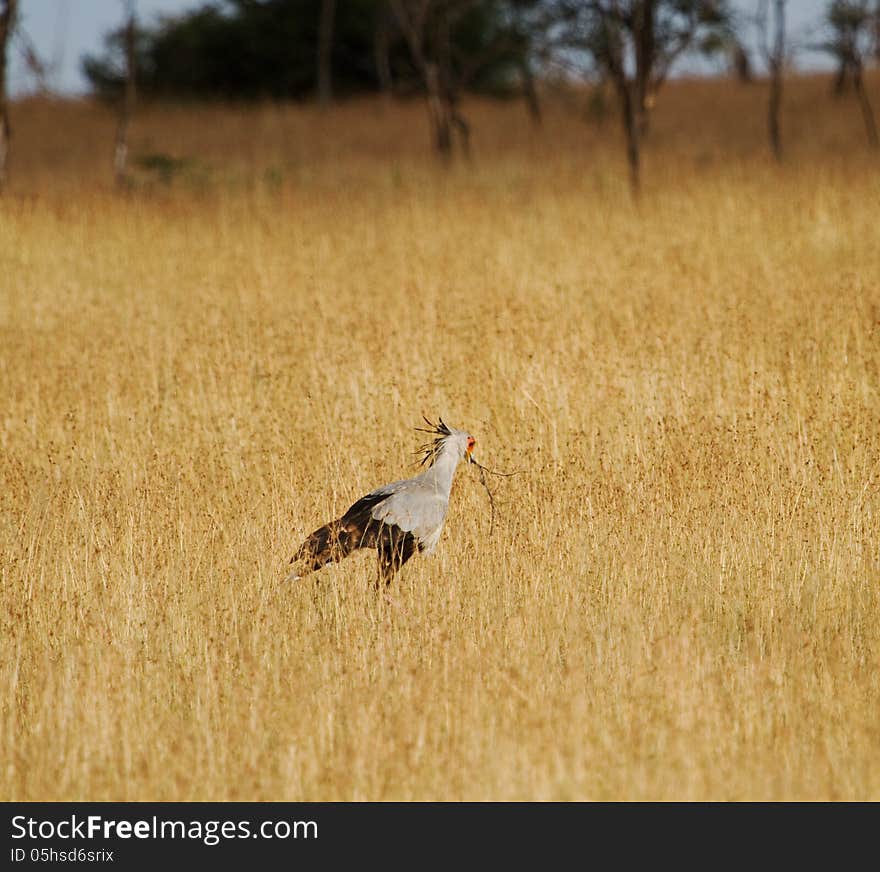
{"x":430,"y":450}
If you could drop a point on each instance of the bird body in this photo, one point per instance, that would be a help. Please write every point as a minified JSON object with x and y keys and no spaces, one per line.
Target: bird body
{"x":397,"y":519}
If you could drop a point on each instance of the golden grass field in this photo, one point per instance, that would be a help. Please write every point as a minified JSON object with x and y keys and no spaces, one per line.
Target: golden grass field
{"x":681,"y":596}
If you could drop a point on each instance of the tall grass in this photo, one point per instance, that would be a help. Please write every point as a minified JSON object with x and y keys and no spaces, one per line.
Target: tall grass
{"x":680,"y":596}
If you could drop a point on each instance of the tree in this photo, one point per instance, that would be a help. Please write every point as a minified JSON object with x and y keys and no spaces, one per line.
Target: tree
{"x":126,"y":106}
{"x":427,"y":26}
{"x":634,"y":44}
{"x":774,"y":56}
{"x":455,"y":45}
{"x":740,"y":63}
{"x":35,"y":65}
{"x":245,"y":50}
{"x":290,"y":49}
{"x":527,"y":33}
{"x":877,"y":31}
{"x":850,"y":24}
{"x":8,"y":10}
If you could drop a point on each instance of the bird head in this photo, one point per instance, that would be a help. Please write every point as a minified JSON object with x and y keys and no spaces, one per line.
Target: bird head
{"x":446,"y":438}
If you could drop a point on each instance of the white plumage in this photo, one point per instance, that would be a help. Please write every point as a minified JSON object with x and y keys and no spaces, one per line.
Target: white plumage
{"x":396,"y":519}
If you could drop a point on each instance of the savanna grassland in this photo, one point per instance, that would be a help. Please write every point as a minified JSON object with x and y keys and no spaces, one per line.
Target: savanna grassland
{"x":680,"y":596}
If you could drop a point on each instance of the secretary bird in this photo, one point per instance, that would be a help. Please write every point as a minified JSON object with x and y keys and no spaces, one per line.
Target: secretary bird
{"x":396,"y":519}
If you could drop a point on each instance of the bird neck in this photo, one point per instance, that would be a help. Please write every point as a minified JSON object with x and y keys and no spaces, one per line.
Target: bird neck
{"x":442,"y":470}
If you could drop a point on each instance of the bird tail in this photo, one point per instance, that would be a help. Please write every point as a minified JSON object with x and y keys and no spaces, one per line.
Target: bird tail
{"x":328,"y":544}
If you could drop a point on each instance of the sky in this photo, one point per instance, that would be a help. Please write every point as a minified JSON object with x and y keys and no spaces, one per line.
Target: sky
{"x":62,"y":31}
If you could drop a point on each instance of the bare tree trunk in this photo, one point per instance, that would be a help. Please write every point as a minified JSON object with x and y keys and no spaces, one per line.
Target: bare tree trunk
{"x":448,"y":98}
{"x":325,"y":52}
{"x":773,"y":107}
{"x":877,"y":32}
{"x":838,"y":85}
{"x":34,"y":64}
{"x":631,"y":127}
{"x":629,"y":91}
{"x":530,"y":93}
{"x":741,"y":64}
{"x":438,"y":112}
{"x":777,"y":64}
{"x":643,"y":25}
{"x":8,"y":9}
{"x":423,"y":30}
{"x":126,"y":109}
{"x":865,"y":103}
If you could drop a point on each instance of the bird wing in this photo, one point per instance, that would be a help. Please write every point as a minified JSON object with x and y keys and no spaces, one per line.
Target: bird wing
{"x":359,"y":514}
{"x":414,"y":508}
{"x":413,"y":505}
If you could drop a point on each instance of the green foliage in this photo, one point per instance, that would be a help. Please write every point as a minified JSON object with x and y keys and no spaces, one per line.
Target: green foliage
{"x":602,"y":35}
{"x":255,"y":49}
{"x":850,"y":25}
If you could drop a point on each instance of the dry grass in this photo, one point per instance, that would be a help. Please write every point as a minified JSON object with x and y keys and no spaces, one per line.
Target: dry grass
{"x":681,"y":597}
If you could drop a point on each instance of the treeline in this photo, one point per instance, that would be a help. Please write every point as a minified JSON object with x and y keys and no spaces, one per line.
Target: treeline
{"x":297,"y":49}
{"x":441,"y":49}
